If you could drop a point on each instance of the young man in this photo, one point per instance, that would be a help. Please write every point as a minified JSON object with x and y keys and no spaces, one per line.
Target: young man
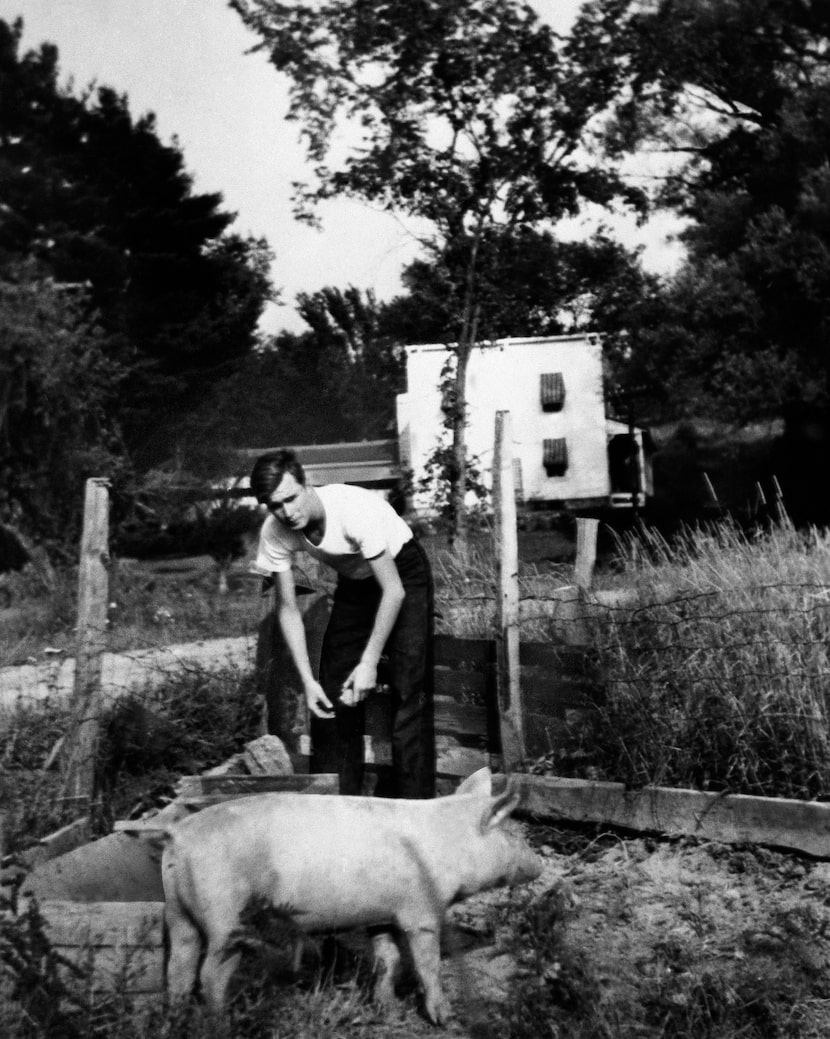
{"x":383,"y":608}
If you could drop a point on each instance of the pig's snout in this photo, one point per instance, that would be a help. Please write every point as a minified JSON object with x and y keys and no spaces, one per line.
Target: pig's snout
{"x":524,"y":866}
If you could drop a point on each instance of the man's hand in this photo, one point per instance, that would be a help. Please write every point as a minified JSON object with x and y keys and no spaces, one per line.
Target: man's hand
{"x":362,"y":681}
{"x":318,"y":703}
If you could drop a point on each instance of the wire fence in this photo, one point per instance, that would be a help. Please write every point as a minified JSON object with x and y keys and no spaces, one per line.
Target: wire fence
{"x":724,"y":688}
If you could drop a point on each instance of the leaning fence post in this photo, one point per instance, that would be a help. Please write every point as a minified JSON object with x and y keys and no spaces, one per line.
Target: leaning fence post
{"x":511,"y":722}
{"x":93,"y":598}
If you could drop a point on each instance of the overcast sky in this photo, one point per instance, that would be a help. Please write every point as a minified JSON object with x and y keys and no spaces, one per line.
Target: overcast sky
{"x":186,"y":61}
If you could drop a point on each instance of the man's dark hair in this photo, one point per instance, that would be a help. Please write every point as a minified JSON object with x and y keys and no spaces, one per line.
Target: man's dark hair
{"x":269,"y":470}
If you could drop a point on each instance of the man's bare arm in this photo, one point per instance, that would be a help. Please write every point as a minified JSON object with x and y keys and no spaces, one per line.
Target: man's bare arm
{"x":293,"y":631}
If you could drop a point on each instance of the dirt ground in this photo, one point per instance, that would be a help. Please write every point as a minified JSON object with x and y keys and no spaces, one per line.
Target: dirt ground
{"x":661,"y":938}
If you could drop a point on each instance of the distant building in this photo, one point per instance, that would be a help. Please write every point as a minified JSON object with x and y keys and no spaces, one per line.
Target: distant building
{"x":567,"y":452}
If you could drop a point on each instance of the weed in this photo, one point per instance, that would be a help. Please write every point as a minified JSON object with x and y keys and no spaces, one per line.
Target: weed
{"x":37,"y":981}
{"x":557,"y":995}
{"x":196,"y":720}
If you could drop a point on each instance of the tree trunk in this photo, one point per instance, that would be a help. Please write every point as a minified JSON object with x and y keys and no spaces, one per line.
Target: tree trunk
{"x":466,"y":342}
{"x":458,"y":491}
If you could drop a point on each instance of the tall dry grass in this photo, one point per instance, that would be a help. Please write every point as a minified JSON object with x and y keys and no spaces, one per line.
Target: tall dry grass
{"x":713,"y":652}
{"x":717,"y":672}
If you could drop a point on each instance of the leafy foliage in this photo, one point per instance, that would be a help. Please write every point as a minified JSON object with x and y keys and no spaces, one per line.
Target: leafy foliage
{"x":739,"y":93}
{"x":123,"y":295}
{"x":335,"y":382}
{"x":465,"y":114}
{"x":57,"y":401}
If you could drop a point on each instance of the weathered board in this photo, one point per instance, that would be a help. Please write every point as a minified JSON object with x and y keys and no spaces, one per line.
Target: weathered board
{"x":728,"y":818}
{"x":239,"y":785}
{"x":68,"y":837}
{"x":117,"y":946}
{"x":558,"y":685}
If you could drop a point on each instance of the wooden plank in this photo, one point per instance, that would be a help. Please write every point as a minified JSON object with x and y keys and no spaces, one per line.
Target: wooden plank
{"x":234,"y":785}
{"x":731,"y":819}
{"x":93,"y":924}
{"x":133,"y":972}
{"x":460,"y":653}
{"x":67,"y":838}
{"x":457,"y":719}
{"x":461,"y":761}
{"x":451,"y":718}
{"x":146,"y":826}
{"x":468,"y":686}
{"x":320,"y":783}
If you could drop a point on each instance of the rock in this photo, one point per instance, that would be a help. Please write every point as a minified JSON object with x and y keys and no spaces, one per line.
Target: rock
{"x":267,"y":756}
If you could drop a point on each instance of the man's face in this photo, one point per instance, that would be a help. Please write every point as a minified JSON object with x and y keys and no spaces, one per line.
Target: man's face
{"x":291,"y":503}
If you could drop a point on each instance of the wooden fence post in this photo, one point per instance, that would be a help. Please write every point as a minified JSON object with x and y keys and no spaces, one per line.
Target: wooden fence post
{"x":586,"y":552}
{"x":511,"y":722}
{"x":93,"y":598}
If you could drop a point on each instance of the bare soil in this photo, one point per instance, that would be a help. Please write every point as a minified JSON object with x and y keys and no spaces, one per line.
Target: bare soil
{"x":662,"y":938}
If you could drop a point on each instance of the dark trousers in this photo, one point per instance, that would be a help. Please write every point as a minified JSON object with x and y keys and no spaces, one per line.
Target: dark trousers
{"x":406,"y":666}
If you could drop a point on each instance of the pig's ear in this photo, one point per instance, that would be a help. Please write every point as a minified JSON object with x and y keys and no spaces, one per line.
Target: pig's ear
{"x":501,"y":808}
{"x":478,"y":783}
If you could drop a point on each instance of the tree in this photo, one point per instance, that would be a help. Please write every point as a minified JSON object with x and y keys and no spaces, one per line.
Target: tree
{"x":465,"y":113}
{"x":97,"y":200}
{"x":346,"y":358}
{"x":532,"y":284}
{"x":740,"y":91}
{"x":58,"y":386}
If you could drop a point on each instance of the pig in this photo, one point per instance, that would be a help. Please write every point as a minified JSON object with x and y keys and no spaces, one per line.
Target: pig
{"x":337,"y":863}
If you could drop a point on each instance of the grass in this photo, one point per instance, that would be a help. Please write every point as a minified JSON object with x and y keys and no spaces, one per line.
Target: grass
{"x":715,"y":675}
{"x":194,"y":721}
{"x":151,"y":604}
{"x":712,"y":657}
{"x":714,"y":661}
{"x":716,"y":671}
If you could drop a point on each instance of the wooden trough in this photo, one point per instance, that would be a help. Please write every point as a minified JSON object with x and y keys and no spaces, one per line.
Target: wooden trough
{"x":102,"y":902}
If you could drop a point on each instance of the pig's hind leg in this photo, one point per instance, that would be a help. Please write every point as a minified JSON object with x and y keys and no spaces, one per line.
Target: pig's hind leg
{"x":185,"y":951}
{"x":217,"y":970}
{"x":425,"y":947}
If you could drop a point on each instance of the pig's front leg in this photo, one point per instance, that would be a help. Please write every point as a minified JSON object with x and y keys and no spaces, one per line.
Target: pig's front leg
{"x":425,"y":946}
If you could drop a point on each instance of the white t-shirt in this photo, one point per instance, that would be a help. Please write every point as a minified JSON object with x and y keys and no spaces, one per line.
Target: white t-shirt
{"x":359,"y":526}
